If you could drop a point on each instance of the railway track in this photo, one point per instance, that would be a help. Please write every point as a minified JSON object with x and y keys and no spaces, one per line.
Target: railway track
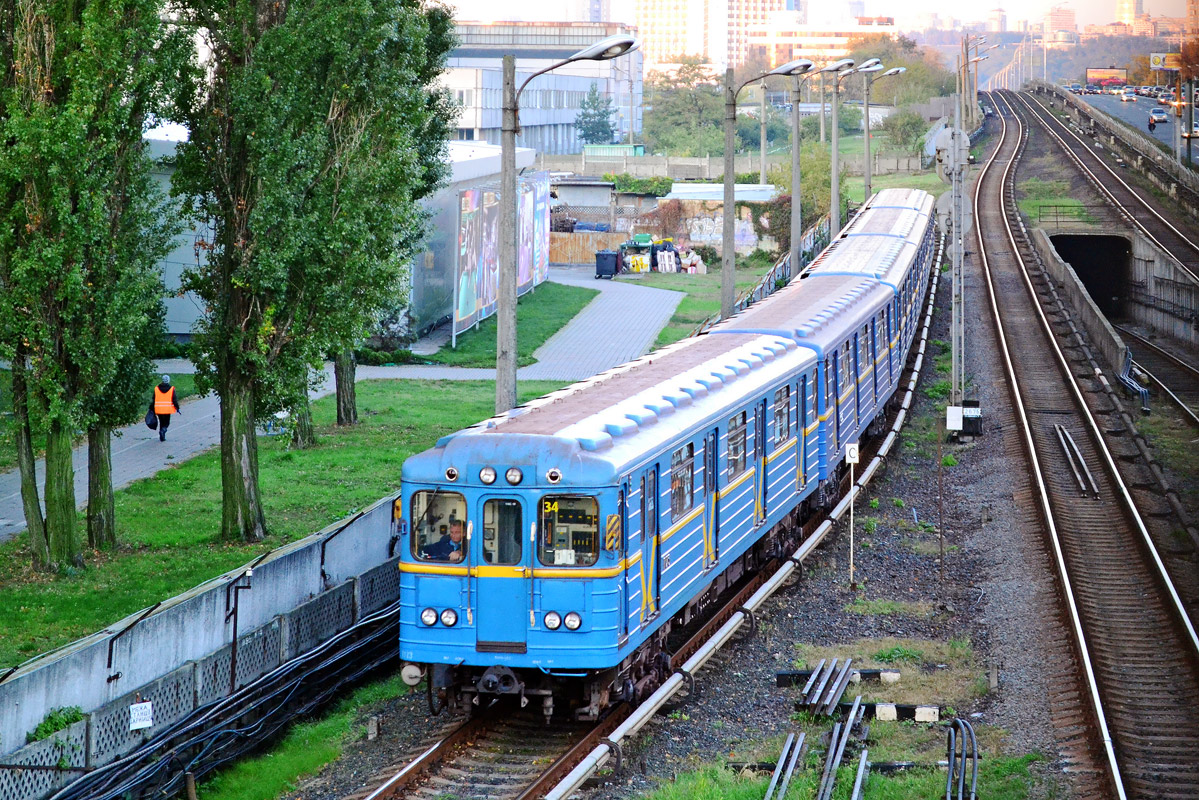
{"x":1173,"y":376}
{"x":1131,"y":732}
{"x":1137,"y":206}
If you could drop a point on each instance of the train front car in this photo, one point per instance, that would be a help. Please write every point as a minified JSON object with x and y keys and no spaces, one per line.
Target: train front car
{"x":482,"y":513}
{"x":549,"y":552}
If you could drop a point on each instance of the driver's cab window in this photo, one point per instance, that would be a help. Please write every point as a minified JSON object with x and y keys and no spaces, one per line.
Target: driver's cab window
{"x":439,"y":526}
{"x":568,"y":531}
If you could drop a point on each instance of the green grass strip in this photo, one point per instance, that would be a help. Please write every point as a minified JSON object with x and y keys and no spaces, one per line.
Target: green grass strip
{"x":539,"y":315}
{"x":304,"y":750}
{"x":926,"y":181}
{"x":168,"y":526}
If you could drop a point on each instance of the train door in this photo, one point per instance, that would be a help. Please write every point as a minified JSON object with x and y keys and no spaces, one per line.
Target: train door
{"x":801,"y":449}
{"x":856,"y":378}
{"x":890,"y":348}
{"x":874,"y":359}
{"x":711,"y":525}
{"x":836,"y":401}
{"x":623,"y":505}
{"x":503,"y":583}
{"x":760,"y":462}
{"x":650,"y":572}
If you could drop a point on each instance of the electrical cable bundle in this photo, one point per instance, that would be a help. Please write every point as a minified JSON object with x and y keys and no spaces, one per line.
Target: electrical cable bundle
{"x":226,"y":729}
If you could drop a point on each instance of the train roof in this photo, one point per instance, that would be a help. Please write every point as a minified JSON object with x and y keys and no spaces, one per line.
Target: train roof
{"x":594,"y":430}
{"x":851,"y":280}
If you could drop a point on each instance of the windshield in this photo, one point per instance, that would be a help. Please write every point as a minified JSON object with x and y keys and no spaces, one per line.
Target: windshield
{"x":438,"y":526}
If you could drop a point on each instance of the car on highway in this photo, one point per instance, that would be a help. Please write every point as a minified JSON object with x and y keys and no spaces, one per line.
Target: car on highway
{"x":1091,"y":89}
{"x":1076,"y":88}
{"x":1166,"y":98}
{"x":1158,"y":116}
{"x":1128,"y":97}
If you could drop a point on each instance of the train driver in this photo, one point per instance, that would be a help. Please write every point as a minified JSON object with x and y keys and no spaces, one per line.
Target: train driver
{"x":449,"y":547}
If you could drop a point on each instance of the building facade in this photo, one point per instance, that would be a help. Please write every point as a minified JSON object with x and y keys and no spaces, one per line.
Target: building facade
{"x":784,"y":38}
{"x":550,"y":103}
{"x":1128,"y":11}
{"x":1060,"y":18}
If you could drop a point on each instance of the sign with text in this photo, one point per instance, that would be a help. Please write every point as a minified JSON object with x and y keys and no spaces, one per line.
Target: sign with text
{"x":1165,"y":61}
{"x":141,"y":715}
{"x":851,"y":453}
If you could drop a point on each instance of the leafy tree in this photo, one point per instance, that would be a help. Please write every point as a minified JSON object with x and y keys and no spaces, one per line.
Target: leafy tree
{"x":906,"y":129}
{"x":815,"y":164}
{"x":749,"y":129}
{"x":82,"y":227}
{"x":594,"y":122}
{"x":314,"y":131}
{"x":926,"y":75}
{"x":685,"y":111}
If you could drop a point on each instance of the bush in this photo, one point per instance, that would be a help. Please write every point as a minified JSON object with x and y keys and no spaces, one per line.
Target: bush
{"x":906,"y":129}
{"x":708,"y":253}
{"x":59,"y":719}
{"x":377,"y":358}
{"x":658,"y":186}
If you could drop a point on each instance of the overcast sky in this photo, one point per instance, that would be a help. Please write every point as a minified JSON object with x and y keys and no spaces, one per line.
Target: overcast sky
{"x":1088,"y":11}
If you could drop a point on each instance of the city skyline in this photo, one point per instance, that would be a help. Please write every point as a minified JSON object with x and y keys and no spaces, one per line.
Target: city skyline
{"x":1088,"y":12}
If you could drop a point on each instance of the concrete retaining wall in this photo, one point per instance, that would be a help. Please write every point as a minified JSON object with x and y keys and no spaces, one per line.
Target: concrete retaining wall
{"x":1102,"y":337}
{"x":179,"y":656}
{"x":1163,"y":296}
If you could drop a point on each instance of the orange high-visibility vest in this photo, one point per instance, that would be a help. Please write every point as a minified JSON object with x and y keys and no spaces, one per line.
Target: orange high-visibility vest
{"x":164,"y":402}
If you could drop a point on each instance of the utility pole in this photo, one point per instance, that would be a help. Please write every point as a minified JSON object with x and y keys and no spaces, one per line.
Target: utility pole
{"x":762,"y":153}
{"x":822,"y":108}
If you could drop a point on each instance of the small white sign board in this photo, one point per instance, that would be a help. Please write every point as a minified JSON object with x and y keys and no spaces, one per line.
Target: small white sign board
{"x":851,"y":453}
{"x":141,"y":715}
{"x":953,"y":418}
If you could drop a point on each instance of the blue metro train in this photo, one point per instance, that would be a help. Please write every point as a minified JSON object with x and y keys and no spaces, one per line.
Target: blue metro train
{"x":548,"y":552}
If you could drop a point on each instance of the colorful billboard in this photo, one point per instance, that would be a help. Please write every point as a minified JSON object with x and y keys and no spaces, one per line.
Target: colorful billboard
{"x":1165,"y":61}
{"x":477,"y":274}
{"x":1106,"y":76}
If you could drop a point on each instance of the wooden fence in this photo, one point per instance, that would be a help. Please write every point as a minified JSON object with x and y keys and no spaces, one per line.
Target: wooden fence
{"x":580,"y":248}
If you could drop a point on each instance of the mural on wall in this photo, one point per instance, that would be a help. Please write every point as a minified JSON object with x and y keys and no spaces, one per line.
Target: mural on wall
{"x":704,"y":224}
{"x":477,"y":278}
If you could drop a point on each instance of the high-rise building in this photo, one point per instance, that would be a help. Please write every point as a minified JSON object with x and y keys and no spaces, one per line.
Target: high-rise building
{"x":783,"y":38}
{"x":997,"y":21}
{"x":1059,"y":18}
{"x":1192,"y":17}
{"x":716,"y":30}
{"x":1127,"y":11}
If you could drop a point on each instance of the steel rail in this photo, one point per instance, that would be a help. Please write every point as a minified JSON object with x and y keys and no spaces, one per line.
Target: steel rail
{"x":1178,"y":401}
{"x":1039,"y":111}
{"x":642,"y":715}
{"x":1031,"y":449}
{"x":1157,"y":573}
{"x":1100,"y":442}
{"x":1183,"y":365}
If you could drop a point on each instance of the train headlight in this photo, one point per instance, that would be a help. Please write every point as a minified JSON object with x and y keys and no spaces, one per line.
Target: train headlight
{"x":553,"y":620}
{"x":451,"y":474}
{"x":429,"y":616}
{"x":573,"y":621}
{"x":449,"y":618}
{"x":487,"y":475}
{"x":514,"y":476}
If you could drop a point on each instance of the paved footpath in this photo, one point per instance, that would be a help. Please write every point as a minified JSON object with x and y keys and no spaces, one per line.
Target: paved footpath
{"x":620,"y":324}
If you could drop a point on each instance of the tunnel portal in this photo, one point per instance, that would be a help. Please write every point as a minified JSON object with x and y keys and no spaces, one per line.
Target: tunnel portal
{"x":1103,"y":264}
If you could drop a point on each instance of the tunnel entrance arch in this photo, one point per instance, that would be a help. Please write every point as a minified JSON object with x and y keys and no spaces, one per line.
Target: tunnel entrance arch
{"x":1104,"y":265}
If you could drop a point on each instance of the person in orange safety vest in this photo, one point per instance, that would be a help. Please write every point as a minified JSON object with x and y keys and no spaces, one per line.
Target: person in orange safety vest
{"x":165,"y":403}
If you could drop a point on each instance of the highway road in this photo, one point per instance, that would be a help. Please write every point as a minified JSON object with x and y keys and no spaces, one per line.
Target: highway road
{"x":1137,"y":115}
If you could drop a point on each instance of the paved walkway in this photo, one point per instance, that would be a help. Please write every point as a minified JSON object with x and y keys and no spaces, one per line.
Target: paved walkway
{"x":620,"y":324}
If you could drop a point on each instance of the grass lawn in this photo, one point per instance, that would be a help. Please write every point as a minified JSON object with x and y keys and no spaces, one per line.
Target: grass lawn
{"x":703,"y":292}
{"x":185,"y":386}
{"x":928,"y":181}
{"x":1035,"y":194}
{"x":168,"y":526}
{"x":539,"y":315}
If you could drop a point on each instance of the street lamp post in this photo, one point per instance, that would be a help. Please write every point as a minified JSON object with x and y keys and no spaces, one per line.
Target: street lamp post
{"x":839,"y":69}
{"x":796,"y":197}
{"x":505,"y":341}
{"x":728,"y":237}
{"x":867,"y":82}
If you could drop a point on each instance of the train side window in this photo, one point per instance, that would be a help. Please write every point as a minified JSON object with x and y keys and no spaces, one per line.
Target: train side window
{"x":803,"y":429}
{"x":501,"y":532}
{"x":433,"y":514}
{"x":682,"y":480}
{"x":568,"y":531}
{"x":736,"y":445}
{"x":782,"y":414}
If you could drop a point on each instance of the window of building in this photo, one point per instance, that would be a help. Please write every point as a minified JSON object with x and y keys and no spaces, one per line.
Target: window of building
{"x":736,"y":445}
{"x":682,"y":479}
{"x":782,"y":414}
{"x":568,"y":531}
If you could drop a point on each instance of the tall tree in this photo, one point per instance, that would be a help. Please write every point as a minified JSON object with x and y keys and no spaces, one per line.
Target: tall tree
{"x":80,"y":216}
{"x":313,"y":132}
{"x":685,"y":111}
{"x":594,"y":122}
